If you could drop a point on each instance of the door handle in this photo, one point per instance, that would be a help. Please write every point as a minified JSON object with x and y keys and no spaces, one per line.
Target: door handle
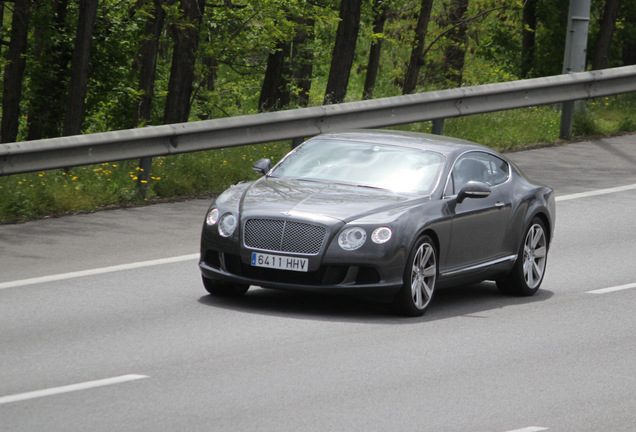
{"x":500,"y":204}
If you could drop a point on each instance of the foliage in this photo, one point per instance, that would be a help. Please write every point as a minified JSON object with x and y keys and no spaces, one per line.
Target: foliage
{"x":235,"y":40}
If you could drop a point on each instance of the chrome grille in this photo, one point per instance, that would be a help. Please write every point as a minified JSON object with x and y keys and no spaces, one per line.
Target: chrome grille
{"x":284,"y":236}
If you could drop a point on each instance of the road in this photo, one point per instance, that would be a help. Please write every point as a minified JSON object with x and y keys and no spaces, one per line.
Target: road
{"x":104,"y":326}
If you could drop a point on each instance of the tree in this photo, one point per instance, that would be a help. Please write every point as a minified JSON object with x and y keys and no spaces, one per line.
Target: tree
{"x":601,"y":56}
{"x":552,"y":19}
{"x":302,"y":60}
{"x":48,"y":78}
{"x":628,"y":33}
{"x":289,"y":66}
{"x":529,"y":23}
{"x":186,"y":40}
{"x":373,"y":65}
{"x":14,"y":71}
{"x":148,"y":61}
{"x":343,"y":51}
{"x":455,"y":51}
{"x":417,"y":59}
{"x":80,"y":68}
{"x":275,"y":91}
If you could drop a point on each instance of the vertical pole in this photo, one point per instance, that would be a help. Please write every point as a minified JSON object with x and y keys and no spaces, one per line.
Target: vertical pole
{"x":438,"y":127}
{"x":574,"y":57}
{"x":143,"y":176}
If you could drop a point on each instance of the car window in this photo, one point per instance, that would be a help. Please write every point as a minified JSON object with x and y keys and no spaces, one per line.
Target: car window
{"x":401,"y":169}
{"x":499,"y":169}
{"x":477,"y":166}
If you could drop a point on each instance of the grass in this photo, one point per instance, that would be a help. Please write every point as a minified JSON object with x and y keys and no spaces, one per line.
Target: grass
{"x":83,"y":189}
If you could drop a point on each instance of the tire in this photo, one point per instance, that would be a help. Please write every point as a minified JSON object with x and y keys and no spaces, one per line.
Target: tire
{"x":222,"y":289}
{"x":420,"y":277}
{"x":529,"y":269}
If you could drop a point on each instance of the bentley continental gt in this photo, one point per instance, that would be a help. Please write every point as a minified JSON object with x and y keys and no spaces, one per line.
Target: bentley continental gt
{"x":386,"y":214}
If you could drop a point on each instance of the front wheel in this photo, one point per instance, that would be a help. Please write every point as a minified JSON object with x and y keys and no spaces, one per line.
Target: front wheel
{"x":420,"y":276}
{"x":223,"y":289}
{"x":527,"y":274}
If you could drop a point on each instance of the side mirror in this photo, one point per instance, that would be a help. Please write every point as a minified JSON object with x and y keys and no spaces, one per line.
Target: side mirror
{"x":473,"y":189}
{"x":262,"y":166}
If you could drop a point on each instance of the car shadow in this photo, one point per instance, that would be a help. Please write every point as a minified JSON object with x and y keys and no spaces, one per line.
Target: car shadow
{"x":467,"y":301}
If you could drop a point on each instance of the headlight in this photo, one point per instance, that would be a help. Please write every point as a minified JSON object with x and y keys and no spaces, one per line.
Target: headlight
{"x":352,"y":238}
{"x":227,"y":224}
{"x":213,"y":217}
{"x":381,"y":235}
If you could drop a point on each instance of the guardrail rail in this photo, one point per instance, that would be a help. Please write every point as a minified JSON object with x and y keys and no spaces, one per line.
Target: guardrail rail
{"x":64,"y":152}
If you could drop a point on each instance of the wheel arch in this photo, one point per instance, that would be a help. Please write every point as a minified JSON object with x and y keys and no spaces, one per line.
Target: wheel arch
{"x":433,"y":235}
{"x":546,"y":222}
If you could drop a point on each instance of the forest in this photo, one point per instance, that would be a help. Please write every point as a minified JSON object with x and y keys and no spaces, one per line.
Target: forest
{"x":81,"y":66}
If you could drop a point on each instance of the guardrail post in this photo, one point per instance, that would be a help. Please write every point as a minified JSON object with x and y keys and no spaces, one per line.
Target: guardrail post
{"x":438,"y":127}
{"x":143,"y":176}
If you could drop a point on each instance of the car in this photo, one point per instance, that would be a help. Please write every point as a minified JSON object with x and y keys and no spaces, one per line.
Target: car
{"x":388,"y":215}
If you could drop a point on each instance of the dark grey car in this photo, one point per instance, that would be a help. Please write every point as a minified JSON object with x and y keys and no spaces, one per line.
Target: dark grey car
{"x":386,"y":214}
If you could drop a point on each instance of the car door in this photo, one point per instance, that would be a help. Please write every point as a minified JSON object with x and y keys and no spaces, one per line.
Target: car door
{"x":477,"y":224}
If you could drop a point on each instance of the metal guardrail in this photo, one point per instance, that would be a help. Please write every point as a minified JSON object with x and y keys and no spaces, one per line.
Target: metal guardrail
{"x":29,"y":156}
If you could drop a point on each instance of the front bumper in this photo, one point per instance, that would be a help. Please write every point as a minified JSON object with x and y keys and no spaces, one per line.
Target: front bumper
{"x":328,"y":278}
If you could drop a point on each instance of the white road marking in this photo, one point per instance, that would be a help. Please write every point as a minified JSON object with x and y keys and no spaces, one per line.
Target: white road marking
{"x":97,"y":271}
{"x":530,"y":429}
{"x":70,"y":388}
{"x":596,"y":192}
{"x":613,"y":289}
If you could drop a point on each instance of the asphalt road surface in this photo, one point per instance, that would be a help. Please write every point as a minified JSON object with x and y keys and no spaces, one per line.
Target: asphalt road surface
{"x":105,"y":326}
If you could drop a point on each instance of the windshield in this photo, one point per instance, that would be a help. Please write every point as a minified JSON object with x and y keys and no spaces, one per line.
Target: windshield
{"x":399,"y":169}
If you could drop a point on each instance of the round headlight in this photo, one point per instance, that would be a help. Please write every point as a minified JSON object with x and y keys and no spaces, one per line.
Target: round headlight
{"x":227,"y":224}
{"x":381,"y":235}
{"x":213,"y":217}
{"x":352,"y":238}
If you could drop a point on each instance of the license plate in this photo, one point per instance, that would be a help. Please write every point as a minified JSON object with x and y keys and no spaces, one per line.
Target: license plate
{"x":280,"y":262}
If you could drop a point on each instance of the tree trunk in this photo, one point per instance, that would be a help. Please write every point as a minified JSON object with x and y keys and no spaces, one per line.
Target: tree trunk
{"x":608,"y":24}
{"x":274,"y":93}
{"x":302,"y":58}
{"x":149,"y":50}
{"x":80,"y":68}
{"x":417,"y":53}
{"x":528,"y":32}
{"x":186,"y":43}
{"x":48,"y":80}
{"x":14,"y":71}
{"x":455,"y":52}
{"x":373,"y":65}
{"x":343,"y":51}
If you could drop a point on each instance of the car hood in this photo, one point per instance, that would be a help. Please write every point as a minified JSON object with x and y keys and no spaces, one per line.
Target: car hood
{"x":318,"y":200}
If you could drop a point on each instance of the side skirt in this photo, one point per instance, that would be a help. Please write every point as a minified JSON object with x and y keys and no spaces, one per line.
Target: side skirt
{"x":453,"y":273}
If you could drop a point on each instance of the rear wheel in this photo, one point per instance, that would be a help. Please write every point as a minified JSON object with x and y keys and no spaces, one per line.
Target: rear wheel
{"x":420,"y":276}
{"x":527,"y":274}
{"x":223,"y":289}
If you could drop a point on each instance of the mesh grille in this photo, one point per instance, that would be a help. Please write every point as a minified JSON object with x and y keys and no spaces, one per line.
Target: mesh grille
{"x":284,"y":236}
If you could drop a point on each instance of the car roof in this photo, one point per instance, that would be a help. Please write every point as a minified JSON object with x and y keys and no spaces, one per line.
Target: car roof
{"x":439,"y":143}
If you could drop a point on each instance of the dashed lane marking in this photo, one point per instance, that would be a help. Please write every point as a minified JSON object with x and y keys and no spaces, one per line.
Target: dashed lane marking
{"x":70,"y":388}
{"x":97,"y":271}
{"x":613,"y":289}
